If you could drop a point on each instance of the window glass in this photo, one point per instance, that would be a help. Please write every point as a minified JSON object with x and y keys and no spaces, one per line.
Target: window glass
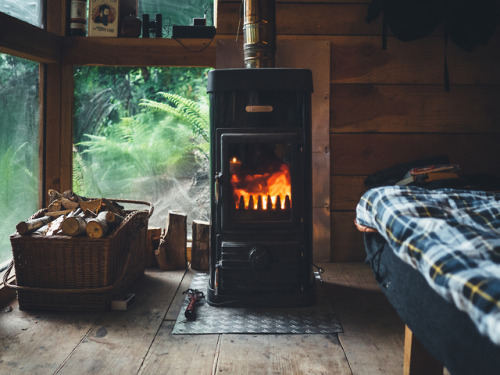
{"x":26,"y":10}
{"x":142,"y":134}
{"x":19,"y":158}
{"x":175,"y":12}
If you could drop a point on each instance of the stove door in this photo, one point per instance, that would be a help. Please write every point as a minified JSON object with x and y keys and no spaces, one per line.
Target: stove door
{"x":259,"y":181}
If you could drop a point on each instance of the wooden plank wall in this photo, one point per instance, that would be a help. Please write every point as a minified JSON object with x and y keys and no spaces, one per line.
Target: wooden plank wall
{"x":390,"y":106}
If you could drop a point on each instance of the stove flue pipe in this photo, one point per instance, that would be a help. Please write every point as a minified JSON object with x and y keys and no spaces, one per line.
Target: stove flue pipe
{"x":259,"y":33}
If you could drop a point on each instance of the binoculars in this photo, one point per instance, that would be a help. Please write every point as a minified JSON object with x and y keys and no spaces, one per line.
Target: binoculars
{"x":149,"y":26}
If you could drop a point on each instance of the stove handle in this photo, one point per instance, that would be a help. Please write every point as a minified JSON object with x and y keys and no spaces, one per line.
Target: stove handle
{"x":217,"y":184}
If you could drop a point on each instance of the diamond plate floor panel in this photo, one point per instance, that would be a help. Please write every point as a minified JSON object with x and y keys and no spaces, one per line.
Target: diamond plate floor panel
{"x":316,"y":319}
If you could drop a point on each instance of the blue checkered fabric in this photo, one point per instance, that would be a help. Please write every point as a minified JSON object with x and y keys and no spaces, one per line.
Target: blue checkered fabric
{"x":452,"y":237}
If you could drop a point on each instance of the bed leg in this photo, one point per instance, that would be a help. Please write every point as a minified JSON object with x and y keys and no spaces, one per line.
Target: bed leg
{"x":417,"y":360}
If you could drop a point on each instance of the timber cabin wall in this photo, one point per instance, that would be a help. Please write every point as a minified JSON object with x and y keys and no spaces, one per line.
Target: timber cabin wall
{"x":390,"y":106}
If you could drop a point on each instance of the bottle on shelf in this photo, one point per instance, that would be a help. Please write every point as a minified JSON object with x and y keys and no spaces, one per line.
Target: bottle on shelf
{"x":78,"y":18}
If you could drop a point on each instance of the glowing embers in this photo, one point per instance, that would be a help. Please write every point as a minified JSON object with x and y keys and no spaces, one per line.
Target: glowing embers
{"x":267,"y":190}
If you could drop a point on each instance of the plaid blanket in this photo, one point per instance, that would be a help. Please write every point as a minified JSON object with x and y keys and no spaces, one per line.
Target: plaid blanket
{"x":452,"y":237}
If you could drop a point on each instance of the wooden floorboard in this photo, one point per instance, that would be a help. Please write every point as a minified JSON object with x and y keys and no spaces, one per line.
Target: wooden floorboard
{"x":281,"y":354}
{"x":140,"y":340}
{"x":119,"y":341}
{"x":180,"y":354}
{"x":373,"y":335}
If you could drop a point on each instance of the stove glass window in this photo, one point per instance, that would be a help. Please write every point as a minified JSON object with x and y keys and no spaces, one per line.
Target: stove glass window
{"x":260,"y":180}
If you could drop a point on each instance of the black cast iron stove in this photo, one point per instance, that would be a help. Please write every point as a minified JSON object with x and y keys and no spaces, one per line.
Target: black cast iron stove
{"x":261,"y":204}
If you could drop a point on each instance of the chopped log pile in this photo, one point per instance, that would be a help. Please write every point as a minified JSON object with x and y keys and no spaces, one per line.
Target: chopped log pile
{"x":72,"y":215}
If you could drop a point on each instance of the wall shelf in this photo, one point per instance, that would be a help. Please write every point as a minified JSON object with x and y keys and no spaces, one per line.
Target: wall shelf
{"x":138,"y":51}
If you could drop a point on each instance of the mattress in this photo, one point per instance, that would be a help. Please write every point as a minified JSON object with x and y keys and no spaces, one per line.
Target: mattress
{"x":451,"y":237}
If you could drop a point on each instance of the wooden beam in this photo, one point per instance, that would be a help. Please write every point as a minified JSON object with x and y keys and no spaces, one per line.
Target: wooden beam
{"x":417,"y":360}
{"x":66,"y":130}
{"x":56,"y":16}
{"x":138,"y":52}
{"x":51,"y":87}
{"x":21,"y":39}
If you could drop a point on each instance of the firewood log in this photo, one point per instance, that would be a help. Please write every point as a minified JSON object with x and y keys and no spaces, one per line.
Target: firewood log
{"x":98,"y":227}
{"x":108,"y":205}
{"x":54,"y":195}
{"x":54,"y":206}
{"x":55,"y":226}
{"x":42,"y":231}
{"x":113,"y":218}
{"x":58,"y":213}
{"x":200,"y":246}
{"x":171,"y":253}
{"x":74,"y":226}
{"x":91,"y":205}
{"x":152,"y":242}
{"x":28,"y":226}
{"x":69,"y":204}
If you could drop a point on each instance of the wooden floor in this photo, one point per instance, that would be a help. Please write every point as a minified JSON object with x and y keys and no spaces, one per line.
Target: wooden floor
{"x":139,"y":341}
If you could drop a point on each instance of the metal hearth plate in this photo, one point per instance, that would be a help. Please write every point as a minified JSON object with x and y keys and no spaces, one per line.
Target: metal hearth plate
{"x":316,"y":319}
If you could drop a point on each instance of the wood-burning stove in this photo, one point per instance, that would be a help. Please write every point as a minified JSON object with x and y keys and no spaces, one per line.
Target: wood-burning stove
{"x":261,"y":204}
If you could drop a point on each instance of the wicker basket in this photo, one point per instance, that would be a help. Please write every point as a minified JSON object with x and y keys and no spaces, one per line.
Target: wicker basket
{"x":79,"y":273}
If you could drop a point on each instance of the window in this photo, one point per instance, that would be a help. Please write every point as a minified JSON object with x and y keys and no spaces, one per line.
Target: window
{"x":19,"y":145}
{"x":142,"y":134}
{"x":29,"y":11}
{"x":175,"y":12}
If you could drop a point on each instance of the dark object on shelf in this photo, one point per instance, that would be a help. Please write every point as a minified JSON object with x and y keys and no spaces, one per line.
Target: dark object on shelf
{"x":131,"y":27}
{"x":203,"y":32}
{"x":78,"y":18}
{"x":149,"y":26}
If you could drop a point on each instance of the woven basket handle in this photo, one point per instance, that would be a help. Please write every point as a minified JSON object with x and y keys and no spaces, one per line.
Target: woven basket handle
{"x":151,"y":208}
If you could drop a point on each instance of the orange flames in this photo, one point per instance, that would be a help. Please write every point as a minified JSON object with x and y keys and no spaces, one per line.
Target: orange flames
{"x":266,"y":191}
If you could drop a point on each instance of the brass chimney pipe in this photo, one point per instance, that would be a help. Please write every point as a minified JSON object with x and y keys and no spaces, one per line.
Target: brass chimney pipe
{"x":259,"y":33}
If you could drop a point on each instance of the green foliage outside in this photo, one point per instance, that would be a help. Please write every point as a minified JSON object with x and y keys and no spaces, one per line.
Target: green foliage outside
{"x":19,"y":184}
{"x":133,"y":139}
{"x":142,"y":134}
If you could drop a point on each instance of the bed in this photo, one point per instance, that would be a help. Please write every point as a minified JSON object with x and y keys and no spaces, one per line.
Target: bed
{"x":436,"y":256}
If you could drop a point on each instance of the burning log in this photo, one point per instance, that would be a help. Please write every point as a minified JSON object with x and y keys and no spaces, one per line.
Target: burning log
{"x":171,"y":253}
{"x":200,"y":246}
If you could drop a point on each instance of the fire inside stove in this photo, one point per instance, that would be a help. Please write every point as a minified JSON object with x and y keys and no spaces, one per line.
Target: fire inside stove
{"x":269,"y":190}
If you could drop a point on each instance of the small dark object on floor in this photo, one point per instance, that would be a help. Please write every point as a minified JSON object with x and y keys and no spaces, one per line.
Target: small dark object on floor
{"x":194,"y":295}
